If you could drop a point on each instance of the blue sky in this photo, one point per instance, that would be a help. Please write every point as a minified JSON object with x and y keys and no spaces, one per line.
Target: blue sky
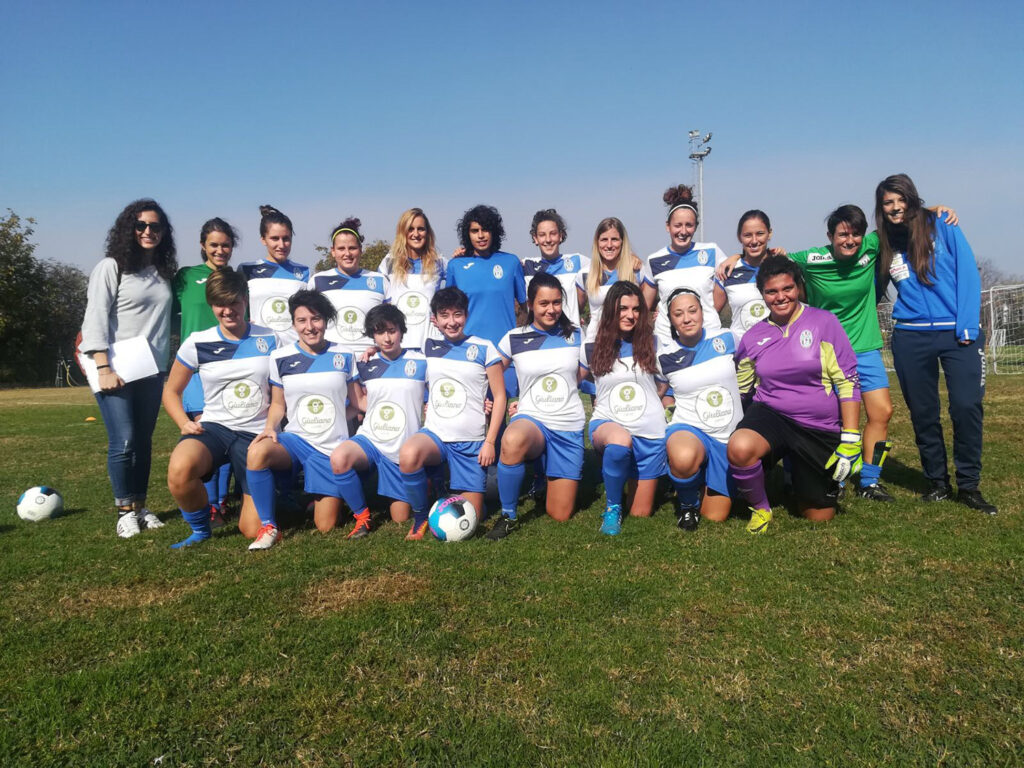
{"x":331,"y":109}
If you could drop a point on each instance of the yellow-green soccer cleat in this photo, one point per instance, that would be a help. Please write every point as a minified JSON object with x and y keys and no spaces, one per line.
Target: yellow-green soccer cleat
{"x":759,"y":519}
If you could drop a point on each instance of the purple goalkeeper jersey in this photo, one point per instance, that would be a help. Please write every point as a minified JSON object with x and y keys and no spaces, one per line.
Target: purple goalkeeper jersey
{"x":803,"y":370}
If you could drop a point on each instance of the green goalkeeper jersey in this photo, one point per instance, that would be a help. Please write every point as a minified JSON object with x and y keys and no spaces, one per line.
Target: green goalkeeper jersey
{"x":189,"y":288}
{"x":846,"y":289}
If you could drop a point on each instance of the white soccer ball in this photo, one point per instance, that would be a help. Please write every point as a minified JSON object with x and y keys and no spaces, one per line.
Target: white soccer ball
{"x":39,"y":503}
{"x":453,"y":519}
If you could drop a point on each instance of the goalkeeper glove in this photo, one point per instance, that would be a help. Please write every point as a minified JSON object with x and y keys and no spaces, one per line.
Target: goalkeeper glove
{"x":847,"y":456}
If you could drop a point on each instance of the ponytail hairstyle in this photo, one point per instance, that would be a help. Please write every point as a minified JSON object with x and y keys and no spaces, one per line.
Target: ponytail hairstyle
{"x":489,"y":219}
{"x":216,"y":224}
{"x":608,"y":341}
{"x":124,"y":248}
{"x":401,"y":263}
{"x":913,"y":237}
{"x":548,"y":214}
{"x":270,"y":215}
{"x":680,"y":196}
{"x":545,"y":280}
{"x":627,"y":265}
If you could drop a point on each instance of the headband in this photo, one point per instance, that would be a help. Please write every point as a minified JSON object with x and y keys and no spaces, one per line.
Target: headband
{"x":681,"y":205}
{"x":339,"y":230}
{"x":672,"y":296}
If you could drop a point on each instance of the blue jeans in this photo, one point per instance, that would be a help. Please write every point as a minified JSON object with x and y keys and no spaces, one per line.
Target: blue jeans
{"x":129,"y":415}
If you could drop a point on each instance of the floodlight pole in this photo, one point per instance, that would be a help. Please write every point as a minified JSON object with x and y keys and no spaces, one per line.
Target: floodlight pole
{"x":697,"y":155}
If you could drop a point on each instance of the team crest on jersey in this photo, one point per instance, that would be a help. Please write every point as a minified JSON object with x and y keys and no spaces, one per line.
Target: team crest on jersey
{"x":497,"y":272}
{"x":261,"y":344}
{"x":806,"y":337}
{"x":410,"y":368}
{"x":864,"y":260}
{"x":702,"y":258}
{"x":472,"y":352}
{"x":298,"y":273}
{"x":339,"y":361}
{"x":719,"y":346}
{"x":371,"y":283}
{"x":567,"y":263}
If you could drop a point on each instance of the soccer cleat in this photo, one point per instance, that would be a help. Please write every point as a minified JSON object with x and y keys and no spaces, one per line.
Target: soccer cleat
{"x":687,"y":517}
{"x":128,"y":525}
{"x":362,"y":528}
{"x":502,"y":528}
{"x":266,"y":537}
{"x":611,"y":524}
{"x":940,"y":491}
{"x":417,"y":531}
{"x":971,"y":497}
{"x":148,"y":520}
{"x":874,"y":492}
{"x":759,"y":519}
{"x":216,"y":516}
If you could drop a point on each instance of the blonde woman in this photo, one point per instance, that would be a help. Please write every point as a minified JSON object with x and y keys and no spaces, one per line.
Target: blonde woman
{"x":607,"y":267}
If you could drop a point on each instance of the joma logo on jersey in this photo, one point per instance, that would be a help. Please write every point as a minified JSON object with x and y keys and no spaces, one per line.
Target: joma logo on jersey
{"x":819,"y":258}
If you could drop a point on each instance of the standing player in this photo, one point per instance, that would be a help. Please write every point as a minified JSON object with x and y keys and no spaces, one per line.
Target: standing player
{"x":549,"y":418}
{"x":699,"y":368}
{"x":309,"y":383}
{"x":739,"y":289}
{"x":612,"y":261}
{"x":415,"y":272}
{"x":460,"y":369}
{"x":801,"y":372}
{"x":548,"y":231}
{"x":393,"y":382}
{"x":628,"y":424}
{"x":274,"y":278}
{"x":682,"y":264}
{"x":352,"y":290}
{"x":232,"y":361}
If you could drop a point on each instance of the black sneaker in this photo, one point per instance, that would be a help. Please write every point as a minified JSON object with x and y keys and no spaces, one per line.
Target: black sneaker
{"x":972,"y":498}
{"x":502,"y":528}
{"x":940,"y":492}
{"x":874,"y":492}
{"x":687,"y":518}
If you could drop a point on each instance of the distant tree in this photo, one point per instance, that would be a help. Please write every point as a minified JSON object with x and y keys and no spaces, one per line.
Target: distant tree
{"x":992,"y":275}
{"x":373,"y":255}
{"x":41,"y":306}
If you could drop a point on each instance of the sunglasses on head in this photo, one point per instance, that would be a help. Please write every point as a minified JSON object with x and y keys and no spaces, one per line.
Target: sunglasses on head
{"x":153,"y":226}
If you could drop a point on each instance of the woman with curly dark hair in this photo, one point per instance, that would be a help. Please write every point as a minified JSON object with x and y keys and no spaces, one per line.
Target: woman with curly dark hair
{"x":129,"y":296}
{"x":492,"y":279}
{"x":628,"y":423}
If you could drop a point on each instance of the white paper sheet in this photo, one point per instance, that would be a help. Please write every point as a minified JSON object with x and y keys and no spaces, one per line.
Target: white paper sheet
{"x":132,"y":359}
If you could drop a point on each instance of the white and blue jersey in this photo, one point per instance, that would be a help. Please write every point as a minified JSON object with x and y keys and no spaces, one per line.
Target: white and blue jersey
{"x":457,"y":380}
{"x":667,"y":270}
{"x":745,"y":301}
{"x":315,"y":389}
{"x":596,"y":300}
{"x":547,"y":366}
{"x":413,"y":296}
{"x":353,"y":296}
{"x":394,"y":394}
{"x":234,"y":375}
{"x":493,"y":285}
{"x":271,"y":284}
{"x":566,"y":267}
{"x":703,"y":380}
{"x":627,"y":395}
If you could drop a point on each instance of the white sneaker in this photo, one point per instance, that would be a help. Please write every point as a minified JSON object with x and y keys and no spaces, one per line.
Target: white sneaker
{"x":128,"y":525}
{"x":266,"y":537}
{"x":148,"y":520}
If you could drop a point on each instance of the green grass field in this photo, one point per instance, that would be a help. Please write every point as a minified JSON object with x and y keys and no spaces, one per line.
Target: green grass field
{"x":891,"y":636}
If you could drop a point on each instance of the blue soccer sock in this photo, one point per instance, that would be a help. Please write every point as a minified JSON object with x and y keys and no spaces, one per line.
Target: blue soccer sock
{"x":688,"y":488}
{"x":211,"y":486}
{"x":510,"y":481}
{"x":615,"y":463}
{"x":200,"y":522}
{"x":869,"y":474}
{"x":416,"y":490}
{"x":223,"y":476}
{"x":261,"y":488}
{"x":351,"y":489}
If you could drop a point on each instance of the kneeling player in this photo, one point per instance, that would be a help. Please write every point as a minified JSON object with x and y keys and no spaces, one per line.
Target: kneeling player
{"x":393,"y":383}
{"x":309,"y":381}
{"x":459,"y":370}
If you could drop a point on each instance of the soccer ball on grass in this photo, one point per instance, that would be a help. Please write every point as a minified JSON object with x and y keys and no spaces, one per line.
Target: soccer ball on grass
{"x":39,"y":503}
{"x":453,"y":519}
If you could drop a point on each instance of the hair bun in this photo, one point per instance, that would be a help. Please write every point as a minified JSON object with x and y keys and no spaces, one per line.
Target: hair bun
{"x":678,"y":195}
{"x":268,"y":210}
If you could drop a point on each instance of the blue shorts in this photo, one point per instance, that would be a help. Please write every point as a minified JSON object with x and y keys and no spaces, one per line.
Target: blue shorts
{"x":466,"y":472}
{"x":192,"y":399}
{"x":563,"y":451}
{"x":225,"y":445}
{"x":319,"y":477}
{"x":871,"y":371}
{"x":389,"y":476}
{"x":648,"y":454}
{"x":716,"y":461}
